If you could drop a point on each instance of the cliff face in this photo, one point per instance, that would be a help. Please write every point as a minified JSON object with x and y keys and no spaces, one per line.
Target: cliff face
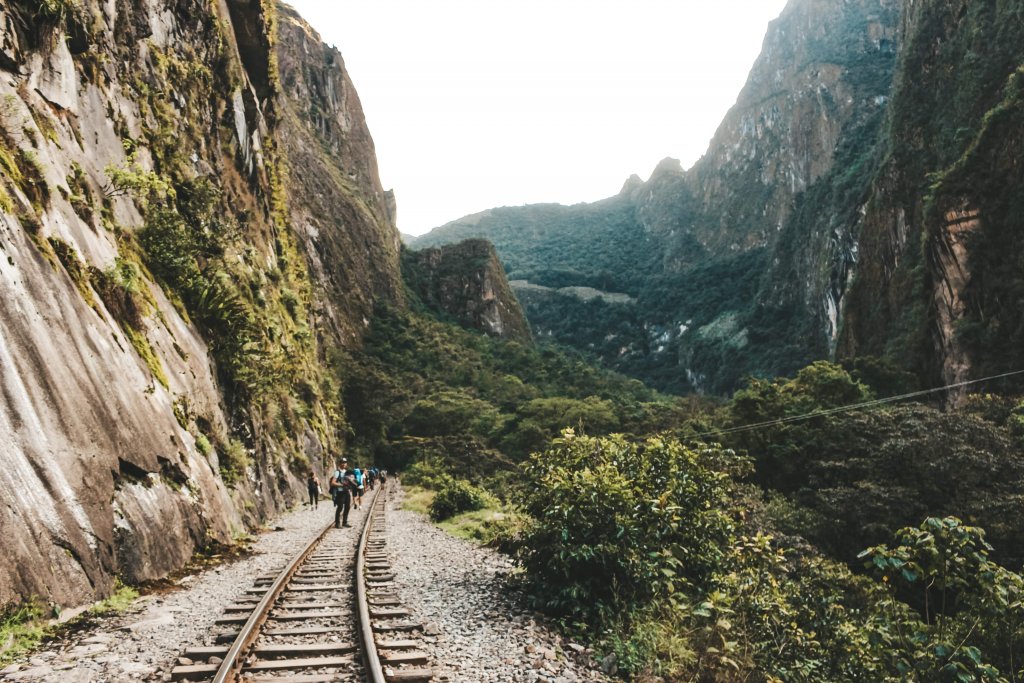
{"x":938,"y":282}
{"x":467,"y":282}
{"x":345,"y":220}
{"x":190,"y":220}
{"x":824,"y":69}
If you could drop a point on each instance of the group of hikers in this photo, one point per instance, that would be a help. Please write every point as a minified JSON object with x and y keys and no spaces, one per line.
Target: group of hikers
{"x":346,"y":488}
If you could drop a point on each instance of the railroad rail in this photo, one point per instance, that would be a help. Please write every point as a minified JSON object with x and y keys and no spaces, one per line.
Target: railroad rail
{"x":366,"y":637}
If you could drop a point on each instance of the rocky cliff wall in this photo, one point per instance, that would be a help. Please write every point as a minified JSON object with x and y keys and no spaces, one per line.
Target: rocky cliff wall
{"x":169,"y":292}
{"x":941,"y":227}
{"x":346,"y":221}
{"x":824,"y":68}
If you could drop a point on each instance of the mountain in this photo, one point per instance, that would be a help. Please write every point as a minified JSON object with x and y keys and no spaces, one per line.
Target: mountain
{"x":706,"y":253}
{"x":830,"y":216}
{"x":192,"y":227}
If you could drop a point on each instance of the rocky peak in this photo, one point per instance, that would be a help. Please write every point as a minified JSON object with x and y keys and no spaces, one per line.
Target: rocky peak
{"x":667,"y":166}
{"x":799,"y":99}
{"x":632,"y":183}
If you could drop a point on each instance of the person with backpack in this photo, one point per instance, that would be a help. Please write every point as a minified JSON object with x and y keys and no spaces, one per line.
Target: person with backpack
{"x":342,"y":485}
{"x":360,"y":483}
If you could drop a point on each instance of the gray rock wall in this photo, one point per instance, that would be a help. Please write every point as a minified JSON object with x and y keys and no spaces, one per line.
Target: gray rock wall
{"x":101,"y":476}
{"x":97,"y":477}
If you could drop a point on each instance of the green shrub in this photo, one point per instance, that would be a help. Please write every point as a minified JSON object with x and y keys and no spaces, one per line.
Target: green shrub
{"x":426,"y":473}
{"x":53,"y":11}
{"x":203,"y":445}
{"x":451,"y":412}
{"x":499,"y":527}
{"x":1015,"y":423}
{"x":171,"y":248}
{"x":620,"y":524}
{"x":969,"y":611}
{"x":234,"y":460}
{"x":784,"y":615}
{"x":33,"y":175}
{"x":121,"y":289}
{"x":291,"y":301}
{"x":77,"y":270}
{"x":455,"y":497}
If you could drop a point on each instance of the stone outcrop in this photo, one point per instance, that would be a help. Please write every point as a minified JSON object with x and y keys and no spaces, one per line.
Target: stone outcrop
{"x":467,"y":282}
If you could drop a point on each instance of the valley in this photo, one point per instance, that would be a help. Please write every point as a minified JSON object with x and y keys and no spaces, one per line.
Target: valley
{"x":726,"y":425}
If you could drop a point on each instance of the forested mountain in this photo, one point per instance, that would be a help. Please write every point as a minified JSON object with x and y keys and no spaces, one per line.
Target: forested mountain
{"x":859,"y":199}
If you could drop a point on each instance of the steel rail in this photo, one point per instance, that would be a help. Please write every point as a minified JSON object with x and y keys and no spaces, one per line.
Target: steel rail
{"x":231,"y":667}
{"x":374,"y":670}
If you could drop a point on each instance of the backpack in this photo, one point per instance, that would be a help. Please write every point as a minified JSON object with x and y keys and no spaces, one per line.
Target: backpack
{"x":359,"y":477}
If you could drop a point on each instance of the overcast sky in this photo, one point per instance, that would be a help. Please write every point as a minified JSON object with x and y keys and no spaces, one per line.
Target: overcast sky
{"x":474,"y":104}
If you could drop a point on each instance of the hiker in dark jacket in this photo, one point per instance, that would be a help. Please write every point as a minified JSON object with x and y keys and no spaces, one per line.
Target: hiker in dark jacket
{"x":313,"y":486}
{"x":342,"y":484}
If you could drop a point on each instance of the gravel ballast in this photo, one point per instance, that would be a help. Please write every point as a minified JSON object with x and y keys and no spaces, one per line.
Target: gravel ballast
{"x":476,"y":626}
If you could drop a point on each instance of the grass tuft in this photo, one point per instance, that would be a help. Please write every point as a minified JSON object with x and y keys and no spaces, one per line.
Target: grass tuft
{"x":493,"y":525}
{"x":145,"y":350}
{"x":24,"y":627}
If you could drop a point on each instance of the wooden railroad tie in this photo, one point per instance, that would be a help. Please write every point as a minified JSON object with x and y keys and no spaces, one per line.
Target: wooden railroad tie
{"x":203,"y":671}
{"x":404,"y":657}
{"x":408,"y":675}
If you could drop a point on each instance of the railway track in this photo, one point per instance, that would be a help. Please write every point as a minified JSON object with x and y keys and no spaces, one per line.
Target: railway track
{"x":330,"y":614}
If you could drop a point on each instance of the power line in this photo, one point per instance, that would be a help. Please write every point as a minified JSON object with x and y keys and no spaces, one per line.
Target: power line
{"x":851,"y":407}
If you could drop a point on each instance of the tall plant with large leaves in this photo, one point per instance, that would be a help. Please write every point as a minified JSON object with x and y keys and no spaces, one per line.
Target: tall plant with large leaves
{"x":971,"y":610}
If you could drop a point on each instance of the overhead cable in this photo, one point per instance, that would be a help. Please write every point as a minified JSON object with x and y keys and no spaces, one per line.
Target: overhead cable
{"x":852,"y":407}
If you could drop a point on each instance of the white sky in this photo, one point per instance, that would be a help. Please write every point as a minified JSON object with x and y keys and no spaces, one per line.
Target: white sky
{"x":475,"y":104}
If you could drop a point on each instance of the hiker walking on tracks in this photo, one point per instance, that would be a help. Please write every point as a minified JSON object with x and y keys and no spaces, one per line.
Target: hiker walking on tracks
{"x":342,"y":484}
{"x":357,"y":492}
{"x":313,"y":486}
